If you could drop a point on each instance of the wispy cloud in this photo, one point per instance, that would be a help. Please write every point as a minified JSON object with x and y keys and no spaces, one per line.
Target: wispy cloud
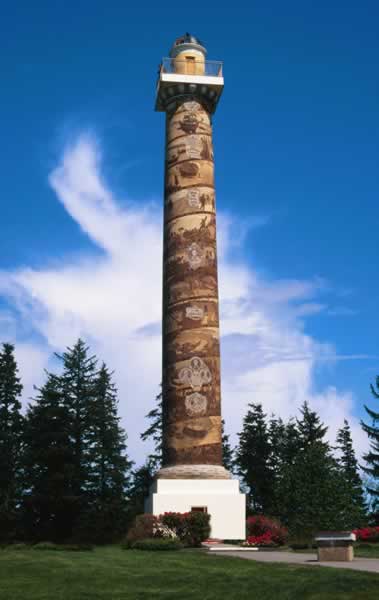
{"x":113,"y":300}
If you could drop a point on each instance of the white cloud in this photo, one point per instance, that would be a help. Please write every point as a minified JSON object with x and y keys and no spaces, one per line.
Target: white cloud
{"x":113,"y":300}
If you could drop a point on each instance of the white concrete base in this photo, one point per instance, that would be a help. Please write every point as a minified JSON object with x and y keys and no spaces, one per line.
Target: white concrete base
{"x":221,"y":497}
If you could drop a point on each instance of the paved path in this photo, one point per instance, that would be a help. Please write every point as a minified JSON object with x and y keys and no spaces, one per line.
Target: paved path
{"x":358,"y":564}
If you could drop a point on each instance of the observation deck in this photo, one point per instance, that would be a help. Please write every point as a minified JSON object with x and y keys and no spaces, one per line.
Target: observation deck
{"x":189,"y":77}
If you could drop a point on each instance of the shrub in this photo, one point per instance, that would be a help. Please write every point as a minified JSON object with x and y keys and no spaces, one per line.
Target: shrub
{"x":157,"y":544}
{"x":177,"y":522}
{"x":191,"y":528}
{"x":46,"y":546}
{"x":274,"y":532}
{"x":142,"y":529}
{"x":198,"y":528}
{"x":17,"y":546}
{"x":260,"y":541}
{"x":77,"y":547}
{"x":63,"y":547}
{"x":367,"y":534}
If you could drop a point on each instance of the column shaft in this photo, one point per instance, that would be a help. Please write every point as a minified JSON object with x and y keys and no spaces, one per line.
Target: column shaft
{"x":191,"y":349}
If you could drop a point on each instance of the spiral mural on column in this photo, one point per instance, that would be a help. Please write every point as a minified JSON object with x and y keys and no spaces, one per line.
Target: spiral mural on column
{"x":191,"y":350}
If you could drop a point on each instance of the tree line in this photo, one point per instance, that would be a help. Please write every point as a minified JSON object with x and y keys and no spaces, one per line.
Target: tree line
{"x":65,"y":474}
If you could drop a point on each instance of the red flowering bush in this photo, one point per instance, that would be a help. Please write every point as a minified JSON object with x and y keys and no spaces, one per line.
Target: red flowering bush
{"x":263,"y":531}
{"x":192,"y":528}
{"x":260,"y":541}
{"x":367,"y":534}
{"x":175,"y":521}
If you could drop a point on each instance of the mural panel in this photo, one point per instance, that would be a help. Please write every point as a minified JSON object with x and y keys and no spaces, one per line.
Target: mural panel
{"x":190,"y":118}
{"x":190,"y":200}
{"x":191,"y":352}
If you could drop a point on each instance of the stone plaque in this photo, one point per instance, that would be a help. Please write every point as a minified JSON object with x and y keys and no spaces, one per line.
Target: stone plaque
{"x":196,"y":404}
{"x":195,"y":255}
{"x":193,"y":197}
{"x":196,"y":375}
{"x":195,"y":313}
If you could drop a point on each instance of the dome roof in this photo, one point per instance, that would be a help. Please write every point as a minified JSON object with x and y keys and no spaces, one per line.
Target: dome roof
{"x":187,"y":38}
{"x":185,"y":42}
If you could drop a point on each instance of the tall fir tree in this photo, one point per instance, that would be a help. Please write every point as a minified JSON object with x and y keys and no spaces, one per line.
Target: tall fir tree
{"x":154,"y":433}
{"x":109,"y":467}
{"x":76,"y":454}
{"x":50,"y":506}
{"x":252,"y":460}
{"x":142,"y":478}
{"x":11,"y":434}
{"x":311,"y":430}
{"x":311,"y":485}
{"x":78,"y":389}
{"x":353,"y":507}
{"x":277,"y":436}
{"x":227,"y":450}
{"x":371,"y":458}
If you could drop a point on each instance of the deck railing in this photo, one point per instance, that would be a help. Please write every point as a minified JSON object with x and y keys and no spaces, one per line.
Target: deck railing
{"x":208,"y":68}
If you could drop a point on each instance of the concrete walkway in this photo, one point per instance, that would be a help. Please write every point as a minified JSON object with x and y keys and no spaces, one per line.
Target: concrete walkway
{"x":358,"y":564}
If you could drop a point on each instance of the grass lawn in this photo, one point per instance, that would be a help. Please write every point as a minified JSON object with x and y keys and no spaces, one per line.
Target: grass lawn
{"x":367,"y":550}
{"x":360,"y":550}
{"x":114,"y":574}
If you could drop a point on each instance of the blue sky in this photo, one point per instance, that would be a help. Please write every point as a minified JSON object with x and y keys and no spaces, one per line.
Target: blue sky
{"x":296,"y":148}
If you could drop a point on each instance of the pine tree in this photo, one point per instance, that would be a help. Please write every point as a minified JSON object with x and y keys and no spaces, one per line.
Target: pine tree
{"x":227,"y":450}
{"x":311,"y":486}
{"x":78,"y":469}
{"x":109,"y":463}
{"x":252,"y":459}
{"x":284,"y":441}
{"x":311,"y":430}
{"x":353,"y":507}
{"x":277,"y":440}
{"x":142,"y":478}
{"x":109,"y":471}
{"x":78,"y":389}
{"x":11,"y":433}
{"x":372,"y":457}
{"x":154,"y":432}
{"x":50,"y":505}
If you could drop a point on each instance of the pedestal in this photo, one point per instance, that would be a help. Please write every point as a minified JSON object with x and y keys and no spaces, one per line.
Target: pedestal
{"x":221,"y":498}
{"x":335,"y":546}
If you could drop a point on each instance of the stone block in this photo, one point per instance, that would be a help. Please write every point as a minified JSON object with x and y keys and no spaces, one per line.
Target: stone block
{"x":335,"y":546}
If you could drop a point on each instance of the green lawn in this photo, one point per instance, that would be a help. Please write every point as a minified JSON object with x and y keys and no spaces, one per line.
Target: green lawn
{"x":360,"y":550}
{"x":114,"y":574}
{"x":367,"y":550}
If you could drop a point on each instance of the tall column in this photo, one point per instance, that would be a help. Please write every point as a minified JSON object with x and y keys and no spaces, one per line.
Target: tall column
{"x":192,"y":476}
{"x":191,"y":348}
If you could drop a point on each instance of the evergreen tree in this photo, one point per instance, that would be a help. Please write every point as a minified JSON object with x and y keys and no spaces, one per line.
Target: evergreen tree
{"x":276,"y":433}
{"x":142,"y":478}
{"x":154,"y":432}
{"x":50,"y":504}
{"x":311,"y":486}
{"x":372,"y":457}
{"x":311,"y":430}
{"x":78,"y":389}
{"x":353,"y":503}
{"x":109,"y":471}
{"x":252,"y":460}
{"x":227,"y":450}
{"x":11,"y":433}
{"x":78,"y":470}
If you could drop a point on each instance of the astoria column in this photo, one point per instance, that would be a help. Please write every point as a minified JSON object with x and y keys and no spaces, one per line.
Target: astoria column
{"x":191,"y":350}
{"x":192,"y":474}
